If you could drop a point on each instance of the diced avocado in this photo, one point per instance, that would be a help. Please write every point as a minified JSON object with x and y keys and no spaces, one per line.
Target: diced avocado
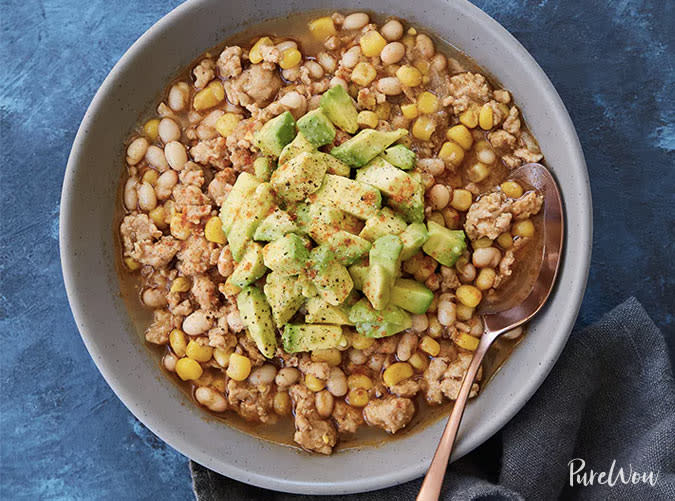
{"x":255,"y":209}
{"x":366,"y":145}
{"x":284,"y":296}
{"x":310,"y":337}
{"x":257,"y":318}
{"x":444,"y":245}
{"x":383,"y":223}
{"x":400,"y":156}
{"x":299,"y":177}
{"x":320,"y":312}
{"x":358,"y":199}
{"x":317,"y":128}
{"x":333,"y":282}
{"x":286,"y":255}
{"x":382,"y":270}
{"x":274,"y":226}
{"x":262,"y":167}
{"x":402,"y":191}
{"x":335,"y":166}
{"x":359,"y":274}
{"x":250,"y":268}
{"x":324,"y":221}
{"x":307,"y":287}
{"x":275,"y":134}
{"x":411,"y":295}
{"x":373,"y":323}
{"x":300,"y":215}
{"x":347,"y":247}
{"x":295,"y":147}
{"x":413,"y":239}
{"x":243,"y":188}
{"x":339,"y":108}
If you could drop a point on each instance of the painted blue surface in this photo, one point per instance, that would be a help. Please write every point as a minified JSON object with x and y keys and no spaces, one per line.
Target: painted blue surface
{"x":64,"y":435}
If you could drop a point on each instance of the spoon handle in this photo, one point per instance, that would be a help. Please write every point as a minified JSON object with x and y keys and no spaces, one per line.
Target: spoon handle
{"x":431,"y":487}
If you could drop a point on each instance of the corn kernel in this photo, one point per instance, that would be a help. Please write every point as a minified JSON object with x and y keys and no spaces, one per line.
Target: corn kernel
{"x":131,"y":263}
{"x":222,"y":357}
{"x":178,"y":342}
{"x":359,"y":381}
{"x":361,"y":342}
{"x":505,"y":240}
{"x":409,"y":76}
{"x":396,"y":373}
{"x":427,"y":102}
{"x":461,"y":200}
{"x":255,"y":55}
{"x":213,"y":231}
{"x":481,"y":243}
{"x":409,"y":111}
{"x":512,"y":189}
{"x":478,"y":172}
{"x":412,"y":31}
{"x":331,"y":356}
{"x":435,"y":327}
{"x":418,"y":361}
{"x":210,"y":96}
{"x":423,"y":66}
{"x":461,"y":135}
{"x":239,"y":367}
{"x":367,"y":119}
{"x":464,"y":312}
{"x":469,"y":118}
{"x":423,"y":128}
{"x":151,"y":129}
{"x":363,"y":73}
{"x":188,"y":370}
{"x":486,"y":116}
{"x":524,"y":229}
{"x":437,"y":218}
{"x":290,"y":58}
{"x":282,"y":403}
{"x":451,"y":152}
{"x":469,"y":295}
{"x":180,"y":284}
{"x":158,"y":216}
{"x":372,"y":43}
{"x":430,"y":346}
{"x":486,"y":279}
{"x":322,"y":28}
{"x":150,"y":176}
{"x":198,"y":352}
{"x":314,"y":383}
{"x":226,"y":124}
{"x":467,"y":342}
{"x":358,"y":397}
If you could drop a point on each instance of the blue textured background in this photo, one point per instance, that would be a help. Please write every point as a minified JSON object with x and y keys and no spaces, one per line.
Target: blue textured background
{"x":63,"y":432}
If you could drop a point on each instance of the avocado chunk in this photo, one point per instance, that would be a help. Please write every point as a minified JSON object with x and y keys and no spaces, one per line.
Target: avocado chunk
{"x":317,"y":128}
{"x":402,"y":191}
{"x":333,"y":282}
{"x":382,"y":270}
{"x":400,"y":156}
{"x":366,"y":145}
{"x":383,"y":223}
{"x":257,"y":318}
{"x":347,"y":247}
{"x":324,"y":221}
{"x":413,"y":238}
{"x":355,"y":198}
{"x":444,"y":245}
{"x":242,"y":189}
{"x":372,"y":323}
{"x":299,"y":177}
{"x":335,"y":166}
{"x":320,"y":312}
{"x":339,"y":108}
{"x":411,"y":295}
{"x":250,"y":268}
{"x":359,"y":274}
{"x":307,"y":287}
{"x":255,"y":209}
{"x":274,"y":226}
{"x":295,"y":147}
{"x":262,"y":167}
{"x":275,"y":134}
{"x":310,"y":337}
{"x":286,"y":255}
{"x":284,"y":295}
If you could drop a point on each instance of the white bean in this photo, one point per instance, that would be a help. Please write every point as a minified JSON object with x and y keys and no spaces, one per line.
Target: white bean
{"x":165,"y":184}
{"x":196,"y":323}
{"x":420,"y":323}
{"x":351,"y":57}
{"x":136,"y":150}
{"x":293,"y":100}
{"x":447,"y":313}
{"x":392,"y":53}
{"x":205,"y":132}
{"x":178,"y":96}
{"x":154,"y":298}
{"x":291,"y":74}
{"x":131,"y":193}
{"x":155,"y":157}
{"x":434,"y":166}
{"x":287,"y":377}
{"x":324,"y":403}
{"x":476,"y":327}
{"x":439,"y":62}
{"x":337,"y":382}
{"x":389,"y":86}
{"x":406,"y":346}
{"x":467,"y":273}
{"x":169,"y":362}
{"x":487,"y":156}
{"x":513,"y":333}
{"x":439,"y":196}
{"x":234,"y":321}
{"x":327,"y":61}
{"x":211,"y":399}
{"x":315,"y":69}
{"x":263,"y":375}
{"x":176,"y":155}
{"x":355,"y":21}
{"x":286,"y":44}
{"x":335,"y":81}
{"x":486,"y":257}
{"x":168,"y":130}
{"x":392,"y":30}
{"x":211,"y":119}
{"x":425,"y":46}
{"x":147,"y":199}
{"x":357,"y":357}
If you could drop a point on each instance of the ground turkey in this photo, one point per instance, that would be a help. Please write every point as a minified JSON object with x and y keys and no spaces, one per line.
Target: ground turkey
{"x":390,"y":414}
{"x":311,"y":432}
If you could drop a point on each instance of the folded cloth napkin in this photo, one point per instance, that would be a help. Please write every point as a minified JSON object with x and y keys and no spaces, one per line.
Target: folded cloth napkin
{"x":608,"y":406}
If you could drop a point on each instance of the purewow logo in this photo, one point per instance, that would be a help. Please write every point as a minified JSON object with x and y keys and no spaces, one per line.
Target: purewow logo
{"x":579,"y":475}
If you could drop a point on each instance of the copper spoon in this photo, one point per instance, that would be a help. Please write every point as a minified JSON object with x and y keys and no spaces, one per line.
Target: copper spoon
{"x":505,"y":314}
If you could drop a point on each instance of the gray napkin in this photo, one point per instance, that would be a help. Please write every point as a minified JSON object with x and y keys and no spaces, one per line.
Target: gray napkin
{"x":610,"y":400}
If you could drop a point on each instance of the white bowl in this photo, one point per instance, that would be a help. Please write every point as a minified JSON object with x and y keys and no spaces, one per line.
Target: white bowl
{"x":87,"y":251}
